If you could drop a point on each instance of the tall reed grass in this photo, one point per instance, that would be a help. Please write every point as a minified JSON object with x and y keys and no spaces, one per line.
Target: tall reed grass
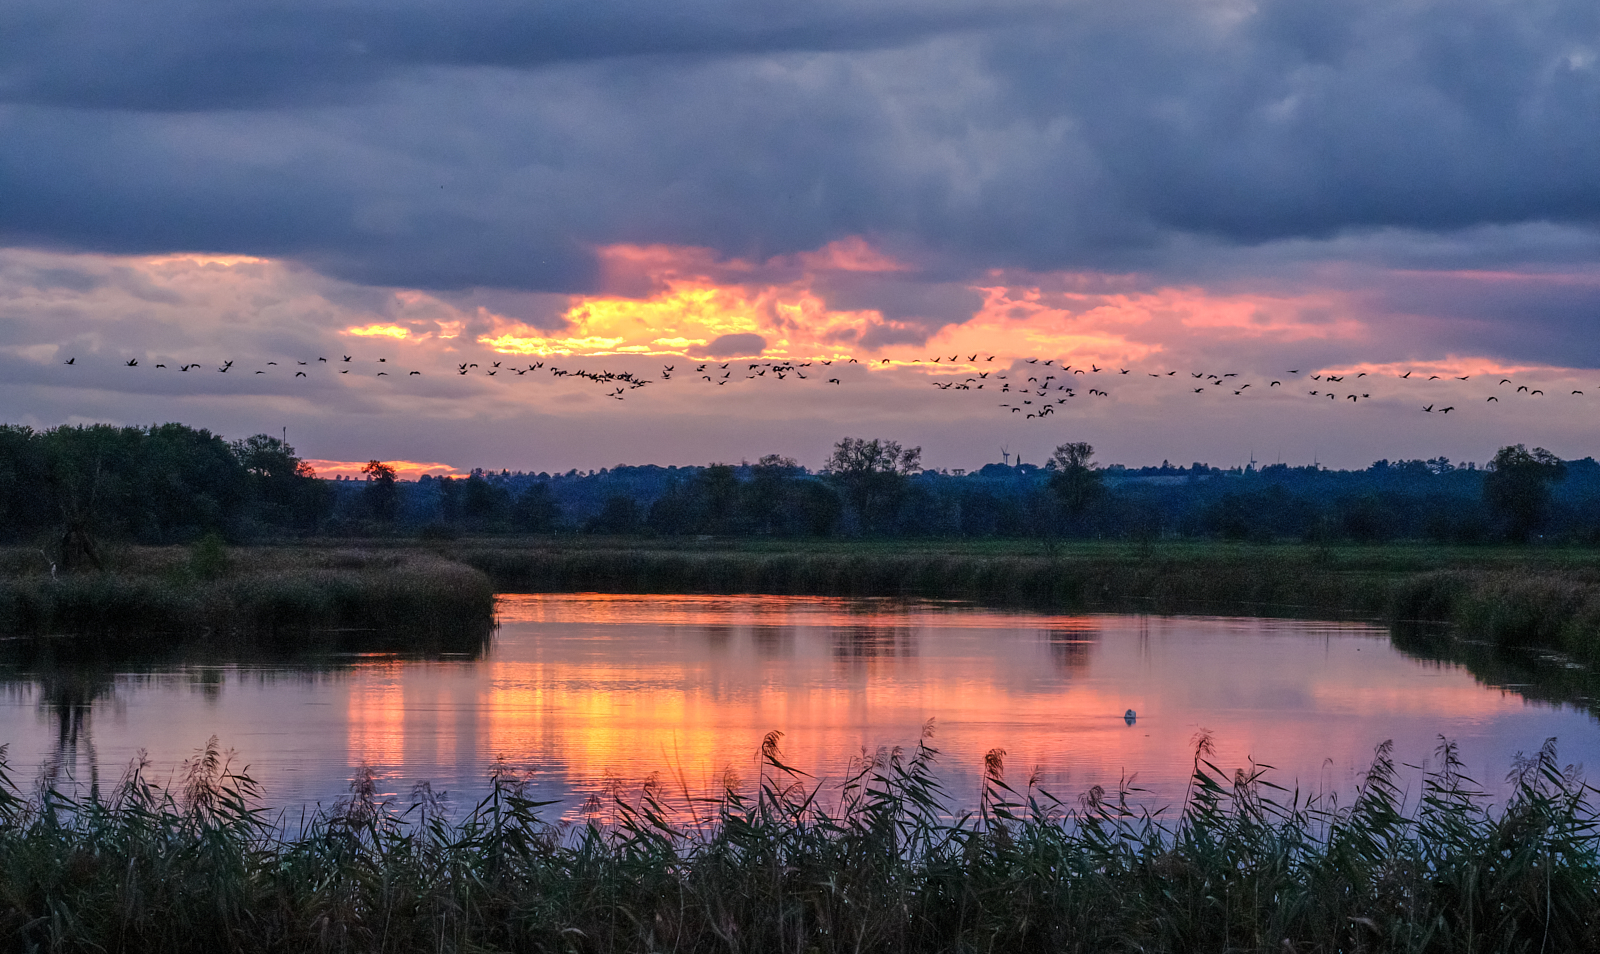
{"x":266,"y":597}
{"x":887,"y":862}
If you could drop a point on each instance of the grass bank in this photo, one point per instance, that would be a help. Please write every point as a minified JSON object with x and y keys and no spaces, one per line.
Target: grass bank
{"x":875,"y":866}
{"x":1507,"y":596}
{"x":1502,"y":595}
{"x":283,"y":598}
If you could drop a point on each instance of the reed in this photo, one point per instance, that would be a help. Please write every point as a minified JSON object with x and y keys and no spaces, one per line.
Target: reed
{"x":885,"y":862}
{"x":267,"y":597}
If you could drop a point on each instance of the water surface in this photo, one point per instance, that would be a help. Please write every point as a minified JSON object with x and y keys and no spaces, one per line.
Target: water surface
{"x":584,"y":689}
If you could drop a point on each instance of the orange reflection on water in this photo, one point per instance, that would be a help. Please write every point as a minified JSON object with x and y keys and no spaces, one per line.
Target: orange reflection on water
{"x":376,"y":710}
{"x":591,"y":686}
{"x":578,"y":689}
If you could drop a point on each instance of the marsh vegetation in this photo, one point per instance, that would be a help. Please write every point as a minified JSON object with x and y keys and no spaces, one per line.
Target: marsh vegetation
{"x":888,"y":861}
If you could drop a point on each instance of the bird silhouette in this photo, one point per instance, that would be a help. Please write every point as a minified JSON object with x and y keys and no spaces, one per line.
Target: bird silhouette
{"x":1446,"y":410}
{"x":299,"y":374}
{"x":133,"y":362}
{"x":71,"y":360}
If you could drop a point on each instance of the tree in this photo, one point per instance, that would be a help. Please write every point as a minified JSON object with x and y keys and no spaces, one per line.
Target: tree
{"x":536,"y":510}
{"x":286,"y":489}
{"x":872,"y":475}
{"x":1075,"y":481}
{"x":1516,"y":488}
{"x":619,"y":515}
{"x":382,"y":496}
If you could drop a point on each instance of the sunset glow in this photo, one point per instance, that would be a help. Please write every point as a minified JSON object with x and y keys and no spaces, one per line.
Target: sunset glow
{"x":404,"y":469}
{"x":379,"y":331}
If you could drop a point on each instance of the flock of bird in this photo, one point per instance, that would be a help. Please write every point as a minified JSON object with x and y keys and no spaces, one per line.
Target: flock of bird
{"x":1034,"y":388}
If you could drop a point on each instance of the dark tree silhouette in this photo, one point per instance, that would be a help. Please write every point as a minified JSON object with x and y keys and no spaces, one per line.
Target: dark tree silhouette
{"x":872,"y":474}
{"x":1516,"y":489}
{"x":619,"y":515}
{"x":1074,"y":480}
{"x":381,"y":495}
{"x":536,"y":510}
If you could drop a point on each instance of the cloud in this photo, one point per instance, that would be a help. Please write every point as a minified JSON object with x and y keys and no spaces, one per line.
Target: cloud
{"x":267,"y":316}
{"x":477,"y":146}
{"x":733,"y":346}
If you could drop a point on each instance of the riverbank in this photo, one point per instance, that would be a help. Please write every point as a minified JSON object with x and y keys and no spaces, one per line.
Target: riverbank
{"x":1508,"y":596}
{"x":278,"y":597}
{"x":1503,"y":595}
{"x":874,"y":865}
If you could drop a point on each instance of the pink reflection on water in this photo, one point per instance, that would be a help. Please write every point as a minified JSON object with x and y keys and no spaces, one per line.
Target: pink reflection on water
{"x":583,"y":688}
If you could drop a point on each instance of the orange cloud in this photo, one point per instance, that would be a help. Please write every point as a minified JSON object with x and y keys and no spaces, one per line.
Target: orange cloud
{"x":379,"y":331}
{"x":691,"y":304}
{"x":687,"y":298}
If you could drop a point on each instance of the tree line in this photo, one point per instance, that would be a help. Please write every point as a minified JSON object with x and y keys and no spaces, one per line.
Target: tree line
{"x":879,"y":488}
{"x":68,"y":488}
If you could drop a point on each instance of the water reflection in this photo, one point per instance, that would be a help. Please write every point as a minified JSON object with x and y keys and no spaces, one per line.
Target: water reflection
{"x":582,"y":689}
{"x":1072,"y":643}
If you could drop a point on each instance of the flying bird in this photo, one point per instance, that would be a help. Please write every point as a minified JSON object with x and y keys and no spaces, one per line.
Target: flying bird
{"x":71,"y":360}
{"x":133,"y":362}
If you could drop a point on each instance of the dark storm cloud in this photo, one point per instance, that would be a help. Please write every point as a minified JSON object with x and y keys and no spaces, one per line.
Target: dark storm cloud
{"x":190,"y":54}
{"x":481,"y":145}
{"x":732,"y":346}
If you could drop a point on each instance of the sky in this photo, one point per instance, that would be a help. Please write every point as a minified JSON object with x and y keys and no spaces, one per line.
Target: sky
{"x":1259,"y":191}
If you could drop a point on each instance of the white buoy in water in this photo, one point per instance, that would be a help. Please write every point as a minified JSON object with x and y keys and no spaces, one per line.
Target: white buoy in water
{"x":1130,"y":717}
